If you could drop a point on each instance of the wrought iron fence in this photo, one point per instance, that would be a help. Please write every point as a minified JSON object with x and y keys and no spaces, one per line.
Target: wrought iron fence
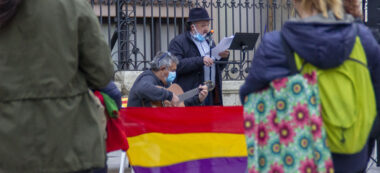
{"x":137,"y":29}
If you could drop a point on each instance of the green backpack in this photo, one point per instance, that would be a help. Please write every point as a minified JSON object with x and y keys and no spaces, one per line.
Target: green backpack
{"x":348,"y":100}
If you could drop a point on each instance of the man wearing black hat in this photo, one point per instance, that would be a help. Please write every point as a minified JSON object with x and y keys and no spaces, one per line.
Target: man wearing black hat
{"x":192,"y":49}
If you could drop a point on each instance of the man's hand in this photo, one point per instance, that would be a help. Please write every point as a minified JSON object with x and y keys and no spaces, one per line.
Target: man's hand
{"x":203,"y":93}
{"x":175,"y":100}
{"x":224,"y":54}
{"x":167,"y":103}
{"x":208,"y":61}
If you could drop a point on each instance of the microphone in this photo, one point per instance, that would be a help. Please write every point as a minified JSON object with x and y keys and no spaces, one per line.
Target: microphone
{"x":209,"y":36}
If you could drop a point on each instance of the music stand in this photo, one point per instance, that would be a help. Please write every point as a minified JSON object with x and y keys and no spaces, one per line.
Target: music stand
{"x":244,"y":42}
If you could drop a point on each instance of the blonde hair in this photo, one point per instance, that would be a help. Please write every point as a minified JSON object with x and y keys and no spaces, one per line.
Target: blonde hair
{"x":323,"y":6}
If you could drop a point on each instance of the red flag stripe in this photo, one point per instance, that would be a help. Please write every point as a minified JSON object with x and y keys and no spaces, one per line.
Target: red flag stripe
{"x":116,"y":138}
{"x":216,"y":119}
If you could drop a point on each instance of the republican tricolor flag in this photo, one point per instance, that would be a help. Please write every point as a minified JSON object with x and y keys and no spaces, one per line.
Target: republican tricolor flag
{"x":186,"y":140}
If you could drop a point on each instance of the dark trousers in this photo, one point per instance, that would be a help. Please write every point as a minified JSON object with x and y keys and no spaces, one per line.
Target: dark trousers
{"x":351,"y":163}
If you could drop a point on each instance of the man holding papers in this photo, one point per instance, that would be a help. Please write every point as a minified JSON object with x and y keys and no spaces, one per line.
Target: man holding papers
{"x":196,"y":65}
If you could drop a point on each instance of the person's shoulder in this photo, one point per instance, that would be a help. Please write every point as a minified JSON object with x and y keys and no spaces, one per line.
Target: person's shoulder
{"x":147,"y":76}
{"x":181,"y":37}
{"x":178,"y":41}
{"x":361,"y":27}
{"x":367,"y":36}
{"x":363,"y":31}
{"x":272,"y":38}
{"x":78,"y":2}
{"x":80,"y":7}
{"x":272,"y":43}
{"x":73,"y":3}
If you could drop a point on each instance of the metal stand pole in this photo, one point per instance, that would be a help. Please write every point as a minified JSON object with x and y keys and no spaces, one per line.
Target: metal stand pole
{"x":122,"y":161}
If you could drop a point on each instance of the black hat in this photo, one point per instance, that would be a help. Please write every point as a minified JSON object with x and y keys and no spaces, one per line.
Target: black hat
{"x":198,"y":14}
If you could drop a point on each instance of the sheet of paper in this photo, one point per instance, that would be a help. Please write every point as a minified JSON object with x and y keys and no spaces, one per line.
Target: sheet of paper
{"x":223,"y":45}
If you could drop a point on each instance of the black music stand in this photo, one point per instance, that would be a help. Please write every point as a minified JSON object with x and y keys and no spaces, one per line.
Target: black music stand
{"x":244,"y":42}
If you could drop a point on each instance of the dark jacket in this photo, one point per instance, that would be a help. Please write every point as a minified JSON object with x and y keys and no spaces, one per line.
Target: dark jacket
{"x":114,"y":92}
{"x":145,"y":90}
{"x":325,"y":45}
{"x":190,"y":73}
{"x":376,"y":34}
{"x":51,"y":52}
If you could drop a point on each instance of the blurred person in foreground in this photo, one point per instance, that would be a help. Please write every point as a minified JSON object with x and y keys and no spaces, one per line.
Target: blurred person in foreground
{"x":324,"y":36}
{"x":51,"y":54}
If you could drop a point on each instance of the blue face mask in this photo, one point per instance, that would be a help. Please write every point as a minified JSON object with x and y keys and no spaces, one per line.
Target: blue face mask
{"x":171,"y":77}
{"x":197,"y":36}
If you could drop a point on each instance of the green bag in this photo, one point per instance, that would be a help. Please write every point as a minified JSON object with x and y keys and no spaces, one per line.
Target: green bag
{"x":283,"y":127}
{"x":348,"y":101}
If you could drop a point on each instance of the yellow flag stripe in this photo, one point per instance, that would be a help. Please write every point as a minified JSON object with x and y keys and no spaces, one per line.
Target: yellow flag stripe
{"x":157,"y":149}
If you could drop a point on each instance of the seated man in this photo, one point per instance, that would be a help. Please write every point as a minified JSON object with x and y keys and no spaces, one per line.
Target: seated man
{"x":147,"y":87}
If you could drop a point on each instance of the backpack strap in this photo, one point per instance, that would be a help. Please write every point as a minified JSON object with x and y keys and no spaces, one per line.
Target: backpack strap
{"x":289,"y":55}
{"x":355,"y":60}
{"x":356,"y":28}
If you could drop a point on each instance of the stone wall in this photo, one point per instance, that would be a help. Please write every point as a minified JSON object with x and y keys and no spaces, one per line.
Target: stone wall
{"x":231,"y":92}
{"x":125,"y":79}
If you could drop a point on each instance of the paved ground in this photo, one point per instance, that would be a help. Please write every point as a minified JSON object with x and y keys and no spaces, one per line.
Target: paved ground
{"x":113,"y":163}
{"x":372,"y":168}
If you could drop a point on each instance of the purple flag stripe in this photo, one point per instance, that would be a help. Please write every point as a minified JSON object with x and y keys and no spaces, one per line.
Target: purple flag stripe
{"x":213,"y":165}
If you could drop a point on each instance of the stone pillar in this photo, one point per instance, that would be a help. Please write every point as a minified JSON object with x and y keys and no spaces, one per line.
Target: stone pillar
{"x":125,"y":79}
{"x":231,"y":92}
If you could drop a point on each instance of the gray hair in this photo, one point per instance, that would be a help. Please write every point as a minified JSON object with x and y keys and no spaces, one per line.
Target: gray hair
{"x":163,"y":59}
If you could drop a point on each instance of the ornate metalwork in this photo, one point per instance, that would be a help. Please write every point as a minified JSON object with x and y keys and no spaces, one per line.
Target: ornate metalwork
{"x":144,"y":27}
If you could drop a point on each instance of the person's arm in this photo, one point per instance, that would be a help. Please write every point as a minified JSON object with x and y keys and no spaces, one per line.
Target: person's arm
{"x":186,"y":65}
{"x":269,"y":63}
{"x":114,"y":92}
{"x":376,"y":34}
{"x":146,"y":89}
{"x":94,"y":54}
{"x":254,"y":81}
{"x":225,"y":56}
{"x":193,"y":101}
{"x":199,"y":98}
{"x":372,"y":50}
